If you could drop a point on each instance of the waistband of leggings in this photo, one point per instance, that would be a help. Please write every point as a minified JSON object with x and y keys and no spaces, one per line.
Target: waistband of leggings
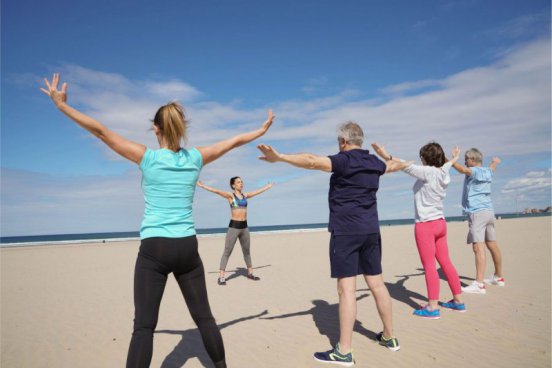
{"x":238,"y":224}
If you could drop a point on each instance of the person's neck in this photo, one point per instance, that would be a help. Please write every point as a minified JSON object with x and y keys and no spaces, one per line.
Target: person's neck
{"x":349,"y":147}
{"x":164,"y":145}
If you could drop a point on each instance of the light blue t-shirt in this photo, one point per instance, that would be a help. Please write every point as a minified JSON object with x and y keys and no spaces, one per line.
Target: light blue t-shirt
{"x":477,"y":190}
{"x":169,"y":181}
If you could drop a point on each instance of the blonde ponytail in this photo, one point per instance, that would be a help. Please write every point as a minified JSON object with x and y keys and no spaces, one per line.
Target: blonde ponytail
{"x":172,"y":123}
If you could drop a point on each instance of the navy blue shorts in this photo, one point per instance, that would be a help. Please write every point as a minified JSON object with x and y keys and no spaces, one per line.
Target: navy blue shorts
{"x":352,"y":255}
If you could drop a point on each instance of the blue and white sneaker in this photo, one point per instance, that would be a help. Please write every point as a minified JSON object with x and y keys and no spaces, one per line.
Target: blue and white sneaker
{"x":425,"y":312}
{"x":451,"y":304}
{"x":334,"y":356}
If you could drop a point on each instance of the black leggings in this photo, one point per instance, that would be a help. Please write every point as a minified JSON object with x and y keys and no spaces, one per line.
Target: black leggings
{"x":157,"y":258}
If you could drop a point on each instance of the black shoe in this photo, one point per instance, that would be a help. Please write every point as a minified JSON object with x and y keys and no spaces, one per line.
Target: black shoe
{"x":250,"y":276}
{"x":221,"y":281}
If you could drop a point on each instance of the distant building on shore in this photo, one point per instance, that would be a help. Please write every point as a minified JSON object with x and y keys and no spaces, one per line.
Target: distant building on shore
{"x":537,"y":210}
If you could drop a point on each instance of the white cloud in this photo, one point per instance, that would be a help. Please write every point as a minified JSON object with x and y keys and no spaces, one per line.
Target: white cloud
{"x":503,"y":109}
{"x":525,"y":25}
{"x":533,"y":181}
{"x":174,"y":89}
{"x":411,"y":86}
{"x":37,"y":204}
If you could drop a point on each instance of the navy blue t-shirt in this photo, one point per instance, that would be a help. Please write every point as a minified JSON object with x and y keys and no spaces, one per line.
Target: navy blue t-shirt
{"x":352,"y":196}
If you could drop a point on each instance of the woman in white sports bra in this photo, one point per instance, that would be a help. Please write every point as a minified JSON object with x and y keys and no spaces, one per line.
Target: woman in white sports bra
{"x":237,"y":229}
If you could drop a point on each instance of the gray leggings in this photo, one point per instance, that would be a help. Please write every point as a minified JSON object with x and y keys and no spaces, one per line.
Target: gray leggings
{"x":232,"y":235}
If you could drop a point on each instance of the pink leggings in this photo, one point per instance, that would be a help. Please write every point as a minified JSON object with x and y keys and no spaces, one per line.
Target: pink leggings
{"x":431,"y":240}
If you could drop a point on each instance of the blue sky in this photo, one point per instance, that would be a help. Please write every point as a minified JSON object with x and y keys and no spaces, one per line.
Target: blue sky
{"x":473,"y":73}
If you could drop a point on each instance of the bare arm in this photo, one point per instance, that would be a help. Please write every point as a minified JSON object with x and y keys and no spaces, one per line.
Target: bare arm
{"x":462,"y":169}
{"x":392,"y":164}
{"x":259,"y":191}
{"x":302,"y":160}
{"x":225,"y":195}
{"x":130,"y":150}
{"x":396,"y":165}
{"x":214,"y":151}
{"x":494,"y":163}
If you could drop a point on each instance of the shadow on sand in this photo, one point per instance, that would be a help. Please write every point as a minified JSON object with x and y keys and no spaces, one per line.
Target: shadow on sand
{"x":239,"y":272}
{"x":400,"y":293}
{"x":326,"y":319}
{"x":191,"y":345}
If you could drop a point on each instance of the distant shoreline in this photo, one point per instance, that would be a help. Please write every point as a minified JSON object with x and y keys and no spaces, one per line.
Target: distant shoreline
{"x":76,"y":239}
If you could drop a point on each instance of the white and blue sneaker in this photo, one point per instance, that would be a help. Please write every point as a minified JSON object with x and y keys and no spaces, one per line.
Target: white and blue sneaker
{"x":334,"y":356}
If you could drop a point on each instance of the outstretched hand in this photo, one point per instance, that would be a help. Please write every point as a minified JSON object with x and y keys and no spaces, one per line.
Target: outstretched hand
{"x":269,"y":153}
{"x":380,"y":150}
{"x":268,"y":121}
{"x":496,"y":160}
{"x":456,"y":152}
{"x":58,"y":97}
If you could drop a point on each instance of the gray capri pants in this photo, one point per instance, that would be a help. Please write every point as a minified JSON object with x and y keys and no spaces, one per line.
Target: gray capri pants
{"x":236,"y":230}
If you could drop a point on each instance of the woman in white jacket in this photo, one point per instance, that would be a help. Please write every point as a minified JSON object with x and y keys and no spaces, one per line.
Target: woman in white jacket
{"x":432,"y":179}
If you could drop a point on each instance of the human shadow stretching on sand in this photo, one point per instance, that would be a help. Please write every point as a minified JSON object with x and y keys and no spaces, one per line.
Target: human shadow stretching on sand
{"x":400,"y":293}
{"x":444,"y":278}
{"x":239,"y":271}
{"x":326,"y":319}
{"x":190,"y":346}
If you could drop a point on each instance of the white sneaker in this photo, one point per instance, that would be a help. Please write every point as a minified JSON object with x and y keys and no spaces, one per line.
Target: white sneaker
{"x":495,"y":280}
{"x":475,"y":288}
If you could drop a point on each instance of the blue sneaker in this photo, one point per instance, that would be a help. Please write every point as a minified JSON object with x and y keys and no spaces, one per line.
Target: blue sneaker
{"x":426,"y":313}
{"x":334,"y":356}
{"x":451,"y":304}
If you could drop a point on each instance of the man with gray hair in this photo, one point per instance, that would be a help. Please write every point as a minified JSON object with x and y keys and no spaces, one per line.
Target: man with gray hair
{"x":355,"y":242}
{"x":477,"y":204}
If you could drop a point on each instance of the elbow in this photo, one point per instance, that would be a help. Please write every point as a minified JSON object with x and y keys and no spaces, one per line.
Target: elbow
{"x":100,"y":132}
{"x":312,"y":163}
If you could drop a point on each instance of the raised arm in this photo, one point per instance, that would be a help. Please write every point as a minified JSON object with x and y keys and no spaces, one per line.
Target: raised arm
{"x":392,"y":164}
{"x":462,"y":169}
{"x":225,"y":195}
{"x":130,"y":150}
{"x":494,"y":163}
{"x":302,"y":160}
{"x":259,"y":191}
{"x":214,"y":151}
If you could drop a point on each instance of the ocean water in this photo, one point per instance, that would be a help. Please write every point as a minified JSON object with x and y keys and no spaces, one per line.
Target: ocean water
{"x":18,"y":241}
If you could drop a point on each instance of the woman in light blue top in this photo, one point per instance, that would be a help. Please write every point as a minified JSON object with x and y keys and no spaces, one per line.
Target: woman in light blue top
{"x":168,"y":240}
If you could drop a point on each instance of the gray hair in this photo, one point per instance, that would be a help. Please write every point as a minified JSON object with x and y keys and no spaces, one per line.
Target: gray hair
{"x":474,"y":154}
{"x":351,"y":132}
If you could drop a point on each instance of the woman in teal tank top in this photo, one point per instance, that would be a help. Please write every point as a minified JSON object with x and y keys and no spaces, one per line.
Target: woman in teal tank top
{"x":237,"y":229}
{"x":168,"y":241}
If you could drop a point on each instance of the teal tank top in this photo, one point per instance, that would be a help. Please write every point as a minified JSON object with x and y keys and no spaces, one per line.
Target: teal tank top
{"x":168,"y":182}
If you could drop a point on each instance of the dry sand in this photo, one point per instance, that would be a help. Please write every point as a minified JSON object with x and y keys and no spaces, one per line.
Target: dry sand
{"x":71,"y":305}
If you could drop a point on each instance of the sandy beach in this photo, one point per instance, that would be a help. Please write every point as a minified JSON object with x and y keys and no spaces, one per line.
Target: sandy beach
{"x":71,"y":305}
